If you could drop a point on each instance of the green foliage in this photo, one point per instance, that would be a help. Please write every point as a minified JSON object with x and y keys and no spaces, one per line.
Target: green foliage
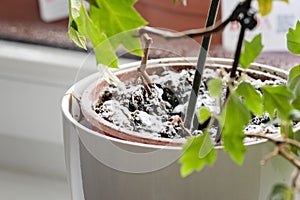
{"x":123,"y":18}
{"x":251,"y":97}
{"x":281,"y":192}
{"x":215,"y":87}
{"x":296,"y":100}
{"x":277,"y":98}
{"x":204,"y":115}
{"x":294,"y":77}
{"x":293,"y":39}
{"x":234,"y":118}
{"x":297,"y":135}
{"x":109,"y":25}
{"x":77,"y":37}
{"x":198,"y":152}
{"x":251,"y":51}
{"x":294,"y":85}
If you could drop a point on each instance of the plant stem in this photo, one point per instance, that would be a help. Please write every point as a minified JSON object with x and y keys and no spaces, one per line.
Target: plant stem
{"x":188,"y":33}
{"x":295,"y":176}
{"x":200,"y":65}
{"x":142,"y":68}
{"x":147,"y":81}
{"x":281,"y":145}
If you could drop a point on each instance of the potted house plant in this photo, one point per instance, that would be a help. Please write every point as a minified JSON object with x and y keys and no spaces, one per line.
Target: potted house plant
{"x":160,"y":158}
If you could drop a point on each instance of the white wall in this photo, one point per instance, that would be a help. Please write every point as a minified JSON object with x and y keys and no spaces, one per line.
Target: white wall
{"x":33,"y":80}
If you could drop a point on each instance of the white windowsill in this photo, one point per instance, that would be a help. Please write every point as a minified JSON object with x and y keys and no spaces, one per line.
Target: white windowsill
{"x":33,"y":80}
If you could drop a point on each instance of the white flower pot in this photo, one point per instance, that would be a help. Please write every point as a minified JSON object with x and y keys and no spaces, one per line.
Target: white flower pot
{"x":103,"y":167}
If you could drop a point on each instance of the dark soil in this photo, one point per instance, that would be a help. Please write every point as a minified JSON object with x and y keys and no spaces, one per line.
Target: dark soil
{"x":131,"y":107}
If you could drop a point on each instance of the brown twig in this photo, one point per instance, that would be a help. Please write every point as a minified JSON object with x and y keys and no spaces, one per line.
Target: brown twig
{"x":295,"y":176}
{"x":281,"y":144}
{"x":188,"y":33}
{"x":276,"y":141}
{"x":290,"y":157}
{"x":281,"y":148}
{"x":142,"y":68}
{"x":177,"y":119}
{"x":269,"y":156}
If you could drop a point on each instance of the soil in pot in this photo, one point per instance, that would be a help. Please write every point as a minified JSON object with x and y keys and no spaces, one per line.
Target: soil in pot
{"x":158,"y":114}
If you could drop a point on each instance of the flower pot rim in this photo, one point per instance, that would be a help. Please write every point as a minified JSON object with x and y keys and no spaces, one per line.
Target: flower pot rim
{"x":164,"y":61}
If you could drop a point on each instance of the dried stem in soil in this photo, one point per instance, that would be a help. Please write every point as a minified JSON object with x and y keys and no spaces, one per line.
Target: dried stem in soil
{"x":282,"y":148}
{"x":142,"y":68}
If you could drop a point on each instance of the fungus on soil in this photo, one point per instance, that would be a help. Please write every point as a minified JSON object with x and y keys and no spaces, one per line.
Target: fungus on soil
{"x":131,"y":107}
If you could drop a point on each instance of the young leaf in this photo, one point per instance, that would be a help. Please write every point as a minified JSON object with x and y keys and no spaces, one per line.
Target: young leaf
{"x":294,"y":77}
{"x":297,"y":135}
{"x":277,"y":98}
{"x":115,"y":17}
{"x":127,"y":40}
{"x":77,"y":38}
{"x":215,"y":87}
{"x":296,"y":100}
{"x":198,"y":152}
{"x":234,"y":118}
{"x":251,"y":97}
{"x":281,"y":191}
{"x":251,"y":51}
{"x":73,"y":34}
{"x":103,"y":50}
{"x":204,"y":115}
{"x":287,"y":131}
{"x":293,"y":39}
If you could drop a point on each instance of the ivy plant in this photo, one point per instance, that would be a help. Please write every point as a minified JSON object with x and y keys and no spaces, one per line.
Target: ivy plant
{"x":280,"y":101}
{"x":109,"y":24}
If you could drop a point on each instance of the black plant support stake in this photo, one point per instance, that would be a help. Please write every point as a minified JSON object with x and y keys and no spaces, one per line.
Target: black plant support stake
{"x":200,"y":65}
{"x":246,"y":17}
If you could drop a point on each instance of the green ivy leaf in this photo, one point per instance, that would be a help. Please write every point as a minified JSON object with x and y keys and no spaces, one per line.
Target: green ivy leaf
{"x":204,"y":114}
{"x":286,"y":130}
{"x":251,"y":97}
{"x":282,"y":192}
{"x":77,"y":38}
{"x":296,"y":100}
{"x":111,"y":23}
{"x":294,"y":77}
{"x":251,"y":51}
{"x":215,"y":87}
{"x":73,"y":34}
{"x":114,"y":17}
{"x":234,"y":118}
{"x":293,"y":39}
{"x":198,"y":152}
{"x":297,"y":135}
{"x":102,"y":47}
{"x":127,"y":40}
{"x":277,"y":98}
